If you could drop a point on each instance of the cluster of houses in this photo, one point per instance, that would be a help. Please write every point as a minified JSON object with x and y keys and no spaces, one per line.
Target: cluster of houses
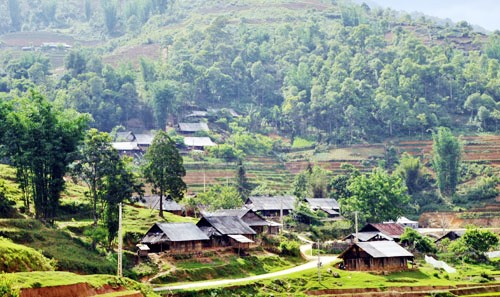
{"x":375,"y":247}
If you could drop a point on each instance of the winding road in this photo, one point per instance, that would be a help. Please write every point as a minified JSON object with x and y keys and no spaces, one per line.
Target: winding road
{"x":313,"y":262}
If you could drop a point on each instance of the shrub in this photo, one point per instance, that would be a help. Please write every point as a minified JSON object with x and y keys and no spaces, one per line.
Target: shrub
{"x":290,"y":248}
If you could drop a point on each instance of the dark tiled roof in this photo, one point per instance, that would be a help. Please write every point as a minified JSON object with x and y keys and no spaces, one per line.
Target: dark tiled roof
{"x":258,"y":203}
{"x":193,"y":127}
{"x":247,"y":215}
{"x":381,"y":249}
{"x":393,"y":230}
{"x":323,"y":203}
{"x":228,"y":225}
{"x":175,"y":232}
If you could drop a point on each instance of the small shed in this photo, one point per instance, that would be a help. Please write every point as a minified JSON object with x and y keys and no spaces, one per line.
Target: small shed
{"x":271,"y":206}
{"x":142,"y":250}
{"x":451,"y":235}
{"x":376,"y":256}
{"x":175,"y":237}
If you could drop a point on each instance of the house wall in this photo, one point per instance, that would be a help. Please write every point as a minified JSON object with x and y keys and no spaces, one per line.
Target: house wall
{"x":376,"y":264}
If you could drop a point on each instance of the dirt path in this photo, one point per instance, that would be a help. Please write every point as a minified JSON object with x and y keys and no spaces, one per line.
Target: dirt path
{"x":194,"y":285}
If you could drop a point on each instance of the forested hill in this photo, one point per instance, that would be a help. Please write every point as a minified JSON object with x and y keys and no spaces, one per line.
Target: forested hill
{"x":329,"y":71}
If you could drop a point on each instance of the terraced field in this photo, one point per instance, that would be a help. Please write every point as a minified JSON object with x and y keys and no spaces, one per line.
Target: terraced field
{"x":279,"y":174}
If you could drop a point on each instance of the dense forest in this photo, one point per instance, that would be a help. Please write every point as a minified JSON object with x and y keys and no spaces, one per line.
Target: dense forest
{"x":329,"y":71}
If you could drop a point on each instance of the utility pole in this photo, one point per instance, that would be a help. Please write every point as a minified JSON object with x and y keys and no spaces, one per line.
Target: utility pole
{"x":120,"y":241}
{"x":281,"y":214}
{"x":319,"y":263}
{"x":356,"y":226}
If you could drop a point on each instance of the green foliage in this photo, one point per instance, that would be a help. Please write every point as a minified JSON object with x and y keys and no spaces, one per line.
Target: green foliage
{"x":252,"y":144}
{"x":220,"y":197}
{"x":299,"y":143}
{"x":378,"y":197}
{"x":412,"y":172}
{"x":226,"y":152}
{"x":163,"y":168}
{"x":6,"y":288}
{"x":17,"y":258}
{"x":242,"y":184}
{"x":418,"y":242}
{"x":290,"y":248}
{"x":473,"y":244}
{"x":40,"y":141}
{"x":485,"y":188}
{"x":447,"y":153}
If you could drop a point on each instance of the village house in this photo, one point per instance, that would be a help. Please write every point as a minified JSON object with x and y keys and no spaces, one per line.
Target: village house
{"x":169,"y":204}
{"x":328,"y":205}
{"x":451,"y":235}
{"x":175,"y":238}
{"x":198,"y":143}
{"x":366,"y":236}
{"x":376,"y":256}
{"x":191,"y":128}
{"x":407,"y":222}
{"x":251,"y":218}
{"x":130,"y":149}
{"x":271,"y":206}
{"x":392,"y":230}
{"x":227,"y":231}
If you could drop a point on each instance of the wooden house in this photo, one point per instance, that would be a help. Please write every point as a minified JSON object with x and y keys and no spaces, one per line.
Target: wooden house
{"x":251,"y":218}
{"x":130,"y":149}
{"x":175,"y":238}
{"x":190,"y":128}
{"x":328,"y":205}
{"x":169,"y":204}
{"x":393,"y":230}
{"x":221,"y":231}
{"x":198,"y":143}
{"x":271,"y":206}
{"x":376,"y":256}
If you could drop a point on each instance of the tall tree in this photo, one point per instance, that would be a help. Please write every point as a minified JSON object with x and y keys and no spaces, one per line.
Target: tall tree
{"x":242,"y":183}
{"x":96,"y":162}
{"x":163,"y":167}
{"x":377,"y":197}
{"x":447,"y":153}
{"x":15,"y":14}
{"x":40,"y":142}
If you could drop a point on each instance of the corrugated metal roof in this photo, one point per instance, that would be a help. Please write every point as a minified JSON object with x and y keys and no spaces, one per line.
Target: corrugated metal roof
{"x":384,"y":249}
{"x":323,"y":203}
{"x":405,"y":220}
{"x":252,"y":219}
{"x":182,"y":231}
{"x":125,"y":146}
{"x":394,"y":230}
{"x":144,"y":139}
{"x":258,"y":203}
{"x":241,"y":238}
{"x":193,"y":127}
{"x":367,"y":236}
{"x":198,"y":141}
{"x":229,"y":225}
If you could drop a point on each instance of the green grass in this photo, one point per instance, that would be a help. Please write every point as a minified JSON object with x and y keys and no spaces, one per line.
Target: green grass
{"x":139,"y":220}
{"x":71,"y":254}
{"x":16,"y":258}
{"x":59,"y":278}
{"x":299,"y":143}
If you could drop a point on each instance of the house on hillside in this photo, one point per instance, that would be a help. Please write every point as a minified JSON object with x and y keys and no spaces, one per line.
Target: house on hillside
{"x":169,"y":204}
{"x":271,"y":206}
{"x":198,"y":143}
{"x":328,"y":205}
{"x":190,"y":128}
{"x":451,"y":235}
{"x":407,"y":223}
{"x":367,"y":236}
{"x":130,"y":149}
{"x":376,"y":256}
{"x":227,"y":231}
{"x":197,"y":114}
{"x":175,"y":238}
{"x":392,"y":230}
{"x":251,"y":218}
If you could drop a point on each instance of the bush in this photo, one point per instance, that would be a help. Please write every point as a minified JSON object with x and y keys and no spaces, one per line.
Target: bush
{"x":290,"y":248}
{"x":226,"y":152}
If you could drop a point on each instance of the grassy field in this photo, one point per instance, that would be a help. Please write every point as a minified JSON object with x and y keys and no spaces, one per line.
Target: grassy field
{"x":24,"y":280}
{"x":300,"y":283}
